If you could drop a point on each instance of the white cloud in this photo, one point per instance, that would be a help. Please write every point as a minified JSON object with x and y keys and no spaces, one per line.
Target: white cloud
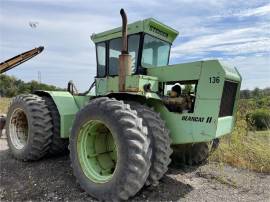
{"x":243,"y":12}
{"x":259,"y":11}
{"x":65,"y":27}
{"x":232,"y":42}
{"x":255,"y":70}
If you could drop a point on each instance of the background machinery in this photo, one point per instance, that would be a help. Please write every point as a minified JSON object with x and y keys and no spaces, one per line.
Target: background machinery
{"x":121,"y":137}
{"x":19,"y":59}
{"x":10,"y":64}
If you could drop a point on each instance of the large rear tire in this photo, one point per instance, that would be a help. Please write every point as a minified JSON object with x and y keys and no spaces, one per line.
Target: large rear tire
{"x":29,"y":127}
{"x":109,"y":150}
{"x":59,"y":145}
{"x":191,"y":154}
{"x":160,"y":142}
{"x":198,"y":154}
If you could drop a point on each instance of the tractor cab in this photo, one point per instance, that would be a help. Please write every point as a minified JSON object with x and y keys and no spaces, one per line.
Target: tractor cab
{"x":207,"y":109}
{"x":149,"y":43}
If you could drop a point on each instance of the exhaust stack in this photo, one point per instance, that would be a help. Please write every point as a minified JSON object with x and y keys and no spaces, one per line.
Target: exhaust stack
{"x":124,"y":58}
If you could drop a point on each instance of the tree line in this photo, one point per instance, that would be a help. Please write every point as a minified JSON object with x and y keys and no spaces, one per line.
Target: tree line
{"x":256,"y":93}
{"x":11,"y":86}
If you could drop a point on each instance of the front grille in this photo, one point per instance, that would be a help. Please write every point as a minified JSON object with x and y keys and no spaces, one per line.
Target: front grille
{"x":228,"y":99}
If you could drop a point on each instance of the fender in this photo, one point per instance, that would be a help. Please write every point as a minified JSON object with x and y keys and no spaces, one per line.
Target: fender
{"x":67,"y":105}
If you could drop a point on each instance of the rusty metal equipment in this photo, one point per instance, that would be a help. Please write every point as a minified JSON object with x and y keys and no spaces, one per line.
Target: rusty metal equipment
{"x":19,"y":59}
{"x":10,"y":64}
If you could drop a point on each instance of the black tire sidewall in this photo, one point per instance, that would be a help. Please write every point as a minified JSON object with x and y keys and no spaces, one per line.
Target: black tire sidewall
{"x":160,"y":142}
{"x":20,"y":153}
{"x":59,"y":146}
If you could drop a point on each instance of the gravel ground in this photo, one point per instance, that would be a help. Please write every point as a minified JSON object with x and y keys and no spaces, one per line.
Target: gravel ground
{"x":51,"y":179}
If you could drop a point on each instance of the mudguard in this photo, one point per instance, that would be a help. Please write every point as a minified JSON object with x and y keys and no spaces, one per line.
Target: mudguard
{"x":67,"y":105}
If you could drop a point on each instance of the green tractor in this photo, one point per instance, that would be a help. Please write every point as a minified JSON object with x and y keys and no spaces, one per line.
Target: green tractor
{"x":122,"y":132}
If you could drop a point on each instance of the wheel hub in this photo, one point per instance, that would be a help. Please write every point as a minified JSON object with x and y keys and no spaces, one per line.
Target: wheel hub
{"x":97,"y":151}
{"x":18,"y":128}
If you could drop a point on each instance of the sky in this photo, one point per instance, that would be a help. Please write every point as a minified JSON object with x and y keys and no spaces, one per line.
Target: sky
{"x":235,"y":32}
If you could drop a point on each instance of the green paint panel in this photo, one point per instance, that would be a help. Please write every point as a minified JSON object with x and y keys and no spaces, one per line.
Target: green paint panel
{"x":207,"y":105}
{"x":185,"y":127}
{"x":67,"y":105}
{"x":187,"y":131}
{"x":231,"y":73}
{"x":82,"y":101}
{"x":150,"y":26}
{"x":137,"y":82}
{"x":134,"y":84}
{"x":183,"y":132}
{"x":101,"y":86}
{"x":179,"y":72}
{"x":210,"y":70}
{"x":133,"y":28}
{"x":112,"y":84}
{"x":67,"y":108}
{"x":225,"y":126}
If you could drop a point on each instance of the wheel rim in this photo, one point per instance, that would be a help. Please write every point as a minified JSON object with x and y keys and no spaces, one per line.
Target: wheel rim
{"x":18,"y":129}
{"x":97,"y":151}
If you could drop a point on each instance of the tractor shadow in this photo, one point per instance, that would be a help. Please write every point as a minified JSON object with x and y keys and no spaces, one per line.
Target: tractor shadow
{"x":172,"y":187}
{"x":185,"y":168}
{"x":169,"y":189}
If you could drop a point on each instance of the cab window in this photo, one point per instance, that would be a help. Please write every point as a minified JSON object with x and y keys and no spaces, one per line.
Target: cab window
{"x":114,"y":52}
{"x":101,"y":59}
{"x":155,"y":52}
{"x":133,"y":49}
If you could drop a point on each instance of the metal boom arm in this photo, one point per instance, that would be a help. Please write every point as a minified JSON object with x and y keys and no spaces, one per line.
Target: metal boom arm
{"x":19,"y":59}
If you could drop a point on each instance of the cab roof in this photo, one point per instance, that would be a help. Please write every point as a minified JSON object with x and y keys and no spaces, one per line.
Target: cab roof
{"x":149,"y":26}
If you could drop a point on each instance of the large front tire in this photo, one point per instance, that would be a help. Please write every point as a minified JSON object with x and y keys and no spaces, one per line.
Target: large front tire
{"x":29,"y":127}
{"x":160,"y":142}
{"x":109,"y":150}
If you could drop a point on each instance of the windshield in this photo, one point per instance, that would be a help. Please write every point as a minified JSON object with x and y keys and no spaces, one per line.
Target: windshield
{"x":115,"y":47}
{"x":155,"y":52}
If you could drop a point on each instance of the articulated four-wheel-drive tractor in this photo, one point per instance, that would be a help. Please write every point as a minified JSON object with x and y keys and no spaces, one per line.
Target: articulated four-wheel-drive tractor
{"x":122,"y":135}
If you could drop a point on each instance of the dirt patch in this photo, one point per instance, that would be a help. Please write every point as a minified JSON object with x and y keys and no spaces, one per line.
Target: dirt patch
{"x":51,"y":179}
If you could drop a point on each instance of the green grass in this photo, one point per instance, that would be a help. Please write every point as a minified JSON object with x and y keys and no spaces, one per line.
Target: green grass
{"x":4,"y":103}
{"x":248,"y":152}
{"x":245,"y":148}
{"x":262,"y":134}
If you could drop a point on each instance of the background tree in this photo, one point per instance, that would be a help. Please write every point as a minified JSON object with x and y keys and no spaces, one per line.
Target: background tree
{"x":10,"y":86}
